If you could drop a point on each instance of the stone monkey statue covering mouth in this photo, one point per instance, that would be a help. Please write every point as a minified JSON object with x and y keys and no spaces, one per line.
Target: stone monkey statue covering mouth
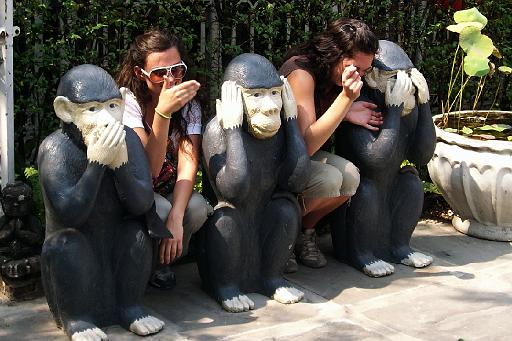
{"x":255,"y":159}
{"x":97,"y":191}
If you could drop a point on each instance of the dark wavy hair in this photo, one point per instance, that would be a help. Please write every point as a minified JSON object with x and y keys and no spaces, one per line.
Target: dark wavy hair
{"x":342,"y":38}
{"x":151,"y":41}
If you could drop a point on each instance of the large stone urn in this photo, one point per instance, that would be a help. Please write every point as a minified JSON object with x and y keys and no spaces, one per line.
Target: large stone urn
{"x":475,"y":178}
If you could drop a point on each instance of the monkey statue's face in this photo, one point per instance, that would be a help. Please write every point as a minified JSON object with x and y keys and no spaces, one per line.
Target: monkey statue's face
{"x":262,"y":108}
{"x":378,"y":79}
{"x":16,"y":200}
{"x":90,"y":117}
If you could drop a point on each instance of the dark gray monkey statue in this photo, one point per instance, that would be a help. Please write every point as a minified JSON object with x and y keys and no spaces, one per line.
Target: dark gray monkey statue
{"x":21,"y":238}
{"x":253,"y":164}
{"x":376,"y":227}
{"x":97,"y":191}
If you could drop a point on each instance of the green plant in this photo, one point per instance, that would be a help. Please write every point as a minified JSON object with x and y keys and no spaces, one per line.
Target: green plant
{"x":472,"y":60}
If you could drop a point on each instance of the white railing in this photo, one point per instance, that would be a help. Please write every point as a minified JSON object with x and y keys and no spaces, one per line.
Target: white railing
{"x":7,"y":33}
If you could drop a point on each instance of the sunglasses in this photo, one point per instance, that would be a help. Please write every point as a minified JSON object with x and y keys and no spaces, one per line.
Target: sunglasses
{"x":157,"y":74}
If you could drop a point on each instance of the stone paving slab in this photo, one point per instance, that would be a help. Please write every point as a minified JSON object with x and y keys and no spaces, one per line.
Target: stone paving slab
{"x":466,"y":293}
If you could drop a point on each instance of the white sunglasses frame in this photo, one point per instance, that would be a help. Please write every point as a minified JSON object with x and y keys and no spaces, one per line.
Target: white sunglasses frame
{"x":168,"y":68}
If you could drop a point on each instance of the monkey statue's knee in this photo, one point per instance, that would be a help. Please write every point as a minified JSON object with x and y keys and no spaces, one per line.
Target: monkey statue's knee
{"x":252,"y":151}
{"x":95,"y":178}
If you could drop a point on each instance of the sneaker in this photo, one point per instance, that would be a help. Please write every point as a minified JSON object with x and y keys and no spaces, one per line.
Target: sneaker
{"x":163,"y":278}
{"x":291,"y":265}
{"x":310,"y":255}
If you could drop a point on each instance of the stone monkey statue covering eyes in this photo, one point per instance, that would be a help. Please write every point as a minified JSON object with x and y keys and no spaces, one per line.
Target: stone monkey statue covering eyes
{"x":97,"y":191}
{"x":255,"y":158}
{"x":382,"y":215}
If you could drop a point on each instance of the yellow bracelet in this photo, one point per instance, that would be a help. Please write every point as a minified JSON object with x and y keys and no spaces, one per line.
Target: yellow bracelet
{"x":168,"y":116}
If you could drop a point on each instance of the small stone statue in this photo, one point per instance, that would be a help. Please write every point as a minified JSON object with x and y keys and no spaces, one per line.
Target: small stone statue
{"x":21,"y":238}
{"x":97,"y":191}
{"x":376,"y":227}
{"x":255,"y":158}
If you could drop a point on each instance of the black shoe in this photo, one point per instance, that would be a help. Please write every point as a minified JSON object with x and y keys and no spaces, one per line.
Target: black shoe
{"x":163,"y":278}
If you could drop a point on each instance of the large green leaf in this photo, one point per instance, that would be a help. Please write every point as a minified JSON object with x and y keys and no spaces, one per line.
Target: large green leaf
{"x":505,"y":69}
{"x":476,"y":66}
{"x":459,"y":27}
{"x":471,"y":14}
{"x":476,"y":43}
{"x":496,"y":127}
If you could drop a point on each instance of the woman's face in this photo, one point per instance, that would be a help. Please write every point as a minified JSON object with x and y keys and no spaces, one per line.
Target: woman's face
{"x":160,"y":59}
{"x":362,"y":61}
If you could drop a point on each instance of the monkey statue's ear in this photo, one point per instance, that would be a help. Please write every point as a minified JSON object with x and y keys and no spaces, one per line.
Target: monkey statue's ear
{"x":63,"y":108}
{"x":123,"y":92}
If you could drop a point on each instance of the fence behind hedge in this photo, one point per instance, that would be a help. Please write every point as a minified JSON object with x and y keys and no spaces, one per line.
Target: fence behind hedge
{"x":56,"y":35}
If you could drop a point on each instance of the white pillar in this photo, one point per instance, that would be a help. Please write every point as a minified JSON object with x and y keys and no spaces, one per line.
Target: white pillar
{"x":7,"y":33}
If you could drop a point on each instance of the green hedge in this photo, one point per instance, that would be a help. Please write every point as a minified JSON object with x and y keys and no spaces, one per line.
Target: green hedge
{"x":56,"y":35}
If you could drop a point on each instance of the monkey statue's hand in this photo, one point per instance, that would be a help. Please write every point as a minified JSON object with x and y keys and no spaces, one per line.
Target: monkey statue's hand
{"x":120,"y":149}
{"x":421,"y":84}
{"x":230,"y":110}
{"x":397,"y":93}
{"x":289,"y":104}
{"x":104,"y":145}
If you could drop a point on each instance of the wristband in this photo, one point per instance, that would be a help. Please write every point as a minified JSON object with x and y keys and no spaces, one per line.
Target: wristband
{"x":168,"y":116}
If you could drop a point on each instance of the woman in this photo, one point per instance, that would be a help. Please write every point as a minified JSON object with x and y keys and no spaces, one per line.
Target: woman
{"x":161,"y":110}
{"x":325,"y":76}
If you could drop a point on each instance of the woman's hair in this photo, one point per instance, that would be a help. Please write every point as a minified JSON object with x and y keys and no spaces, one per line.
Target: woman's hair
{"x":145,"y":44}
{"x":342,"y":38}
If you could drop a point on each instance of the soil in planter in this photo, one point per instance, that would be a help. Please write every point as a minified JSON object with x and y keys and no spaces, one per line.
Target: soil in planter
{"x":475,"y":122}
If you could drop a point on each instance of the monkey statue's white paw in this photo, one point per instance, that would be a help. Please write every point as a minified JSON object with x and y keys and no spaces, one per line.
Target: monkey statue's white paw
{"x":378,"y":268}
{"x":146,"y":325}
{"x":417,"y":260}
{"x":92,"y":334}
{"x":238,"y":304}
{"x":287,"y":295}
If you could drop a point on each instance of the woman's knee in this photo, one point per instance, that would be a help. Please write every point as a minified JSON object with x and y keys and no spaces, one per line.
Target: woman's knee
{"x":196,"y":212}
{"x":351,"y":179}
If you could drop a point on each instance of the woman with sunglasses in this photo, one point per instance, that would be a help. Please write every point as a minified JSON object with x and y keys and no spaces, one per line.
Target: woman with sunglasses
{"x":161,"y":110}
{"x":325,"y":76}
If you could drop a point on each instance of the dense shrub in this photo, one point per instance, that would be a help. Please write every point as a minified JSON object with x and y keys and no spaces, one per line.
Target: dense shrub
{"x":56,"y":35}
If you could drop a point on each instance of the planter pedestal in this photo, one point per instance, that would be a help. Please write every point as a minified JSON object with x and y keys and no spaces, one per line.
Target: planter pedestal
{"x":475,"y":178}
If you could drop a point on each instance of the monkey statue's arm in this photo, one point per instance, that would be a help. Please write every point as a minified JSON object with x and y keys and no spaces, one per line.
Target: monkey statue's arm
{"x":224,"y":148}
{"x":133,"y":180}
{"x":296,"y":169}
{"x":422,"y":148}
{"x":68,"y":180}
{"x":375,"y":152}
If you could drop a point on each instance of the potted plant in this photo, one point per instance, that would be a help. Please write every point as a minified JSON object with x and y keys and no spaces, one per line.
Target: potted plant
{"x":472,"y":162}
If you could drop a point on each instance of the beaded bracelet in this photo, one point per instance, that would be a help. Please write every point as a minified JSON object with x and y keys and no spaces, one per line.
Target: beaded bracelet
{"x":168,"y":116}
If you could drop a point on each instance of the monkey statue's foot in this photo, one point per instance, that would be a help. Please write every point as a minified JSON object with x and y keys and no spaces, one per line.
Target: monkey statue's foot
{"x":282,"y":291}
{"x":92,"y":334}
{"x":378,"y":268}
{"x":238,"y":304}
{"x":146,"y":325}
{"x":84,"y":331}
{"x":234,"y":301}
{"x":417,"y":260}
{"x":139,"y":322}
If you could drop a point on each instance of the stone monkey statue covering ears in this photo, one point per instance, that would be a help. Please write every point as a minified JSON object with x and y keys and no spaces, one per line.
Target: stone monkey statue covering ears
{"x":253,"y":164}
{"x":383,"y":213}
{"x":97,"y":191}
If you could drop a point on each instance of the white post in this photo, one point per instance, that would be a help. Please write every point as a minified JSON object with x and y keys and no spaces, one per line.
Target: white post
{"x":7,"y":33}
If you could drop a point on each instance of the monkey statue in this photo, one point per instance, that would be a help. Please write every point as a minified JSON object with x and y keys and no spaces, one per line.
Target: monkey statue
{"x":21,"y":238}
{"x":96,"y":185}
{"x":255,"y":158}
{"x":376,"y":228}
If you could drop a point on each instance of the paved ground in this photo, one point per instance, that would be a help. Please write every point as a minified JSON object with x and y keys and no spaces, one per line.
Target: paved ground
{"x":466,"y":294}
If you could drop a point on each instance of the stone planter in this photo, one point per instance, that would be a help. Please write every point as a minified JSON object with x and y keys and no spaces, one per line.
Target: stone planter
{"x":475,"y":178}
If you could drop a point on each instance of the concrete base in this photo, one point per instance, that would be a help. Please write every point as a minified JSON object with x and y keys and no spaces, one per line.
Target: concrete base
{"x":490,"y":232}
{"x":464,"y":294}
